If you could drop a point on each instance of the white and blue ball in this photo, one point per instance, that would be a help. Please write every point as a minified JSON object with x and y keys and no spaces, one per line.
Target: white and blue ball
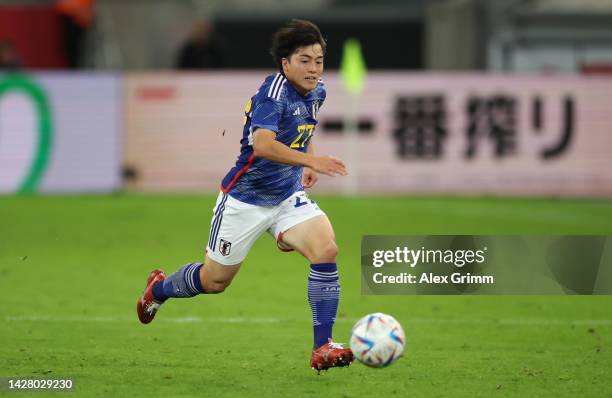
{"x":377,"y":340}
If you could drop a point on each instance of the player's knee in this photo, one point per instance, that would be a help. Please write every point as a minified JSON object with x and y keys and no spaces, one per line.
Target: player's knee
{"x":326,"y":253}
{"x":214,"y":287}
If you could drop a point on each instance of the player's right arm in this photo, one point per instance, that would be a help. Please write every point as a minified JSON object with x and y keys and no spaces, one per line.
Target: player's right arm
{"x":266,"y":146}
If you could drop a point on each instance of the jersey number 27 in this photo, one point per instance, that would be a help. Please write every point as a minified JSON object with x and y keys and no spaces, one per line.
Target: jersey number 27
{"x":305,"y":132}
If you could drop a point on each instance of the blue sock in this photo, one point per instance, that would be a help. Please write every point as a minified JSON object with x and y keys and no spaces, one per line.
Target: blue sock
{"x":323,"y":297}
{"x":183,"y":283}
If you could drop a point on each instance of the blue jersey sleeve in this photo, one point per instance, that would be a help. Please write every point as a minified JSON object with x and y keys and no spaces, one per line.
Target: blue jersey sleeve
{"x":267,"y":115}
{"x":322,"y":93}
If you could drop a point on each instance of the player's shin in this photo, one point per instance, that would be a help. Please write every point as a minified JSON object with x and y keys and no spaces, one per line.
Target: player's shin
{"x":323,"y":297}
{"x":183,"y":283}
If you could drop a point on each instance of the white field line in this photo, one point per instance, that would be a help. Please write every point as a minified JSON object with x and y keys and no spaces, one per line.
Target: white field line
{"x":269,"y":320}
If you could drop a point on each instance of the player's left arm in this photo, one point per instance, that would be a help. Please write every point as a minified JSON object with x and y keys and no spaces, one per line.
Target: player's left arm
{"x":309,"y":176}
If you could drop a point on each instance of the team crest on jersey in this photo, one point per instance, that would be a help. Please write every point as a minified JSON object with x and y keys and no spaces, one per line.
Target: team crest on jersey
{"x":225,"y":247}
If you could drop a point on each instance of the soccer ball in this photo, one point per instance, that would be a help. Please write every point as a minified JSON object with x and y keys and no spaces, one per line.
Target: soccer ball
{"x":377,"y":340}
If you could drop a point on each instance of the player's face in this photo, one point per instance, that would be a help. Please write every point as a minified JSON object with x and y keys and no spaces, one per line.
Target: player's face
{"x":304,"y":67}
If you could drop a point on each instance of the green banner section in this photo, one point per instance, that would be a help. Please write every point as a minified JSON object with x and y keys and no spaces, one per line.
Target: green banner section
{"x":17,"y":82}
{"x":470,"y":264}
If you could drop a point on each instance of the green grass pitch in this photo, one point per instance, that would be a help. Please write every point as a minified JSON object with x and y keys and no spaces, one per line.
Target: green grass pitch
{"x":71,"y":269}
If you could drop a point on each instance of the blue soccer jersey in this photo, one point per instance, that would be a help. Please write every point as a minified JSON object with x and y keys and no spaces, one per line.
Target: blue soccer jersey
{"x":276,"y":106}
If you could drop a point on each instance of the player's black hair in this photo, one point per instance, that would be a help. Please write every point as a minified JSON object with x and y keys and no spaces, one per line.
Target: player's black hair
{"x":295,"y":34}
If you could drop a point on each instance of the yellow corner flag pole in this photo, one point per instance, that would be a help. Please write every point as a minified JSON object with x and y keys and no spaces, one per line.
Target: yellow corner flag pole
{"x":353,"y":74}
{"x":352,"y":67}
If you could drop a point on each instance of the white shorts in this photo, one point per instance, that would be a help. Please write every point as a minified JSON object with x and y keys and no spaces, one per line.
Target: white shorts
{"x":236,"y":225}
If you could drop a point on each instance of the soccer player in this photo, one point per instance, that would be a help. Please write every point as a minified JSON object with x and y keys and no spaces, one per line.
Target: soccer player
{"x":264,"y":192}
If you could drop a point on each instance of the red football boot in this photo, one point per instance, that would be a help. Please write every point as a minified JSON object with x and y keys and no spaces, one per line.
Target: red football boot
{"x":146,"y":306}
{"x":331,"y":355}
